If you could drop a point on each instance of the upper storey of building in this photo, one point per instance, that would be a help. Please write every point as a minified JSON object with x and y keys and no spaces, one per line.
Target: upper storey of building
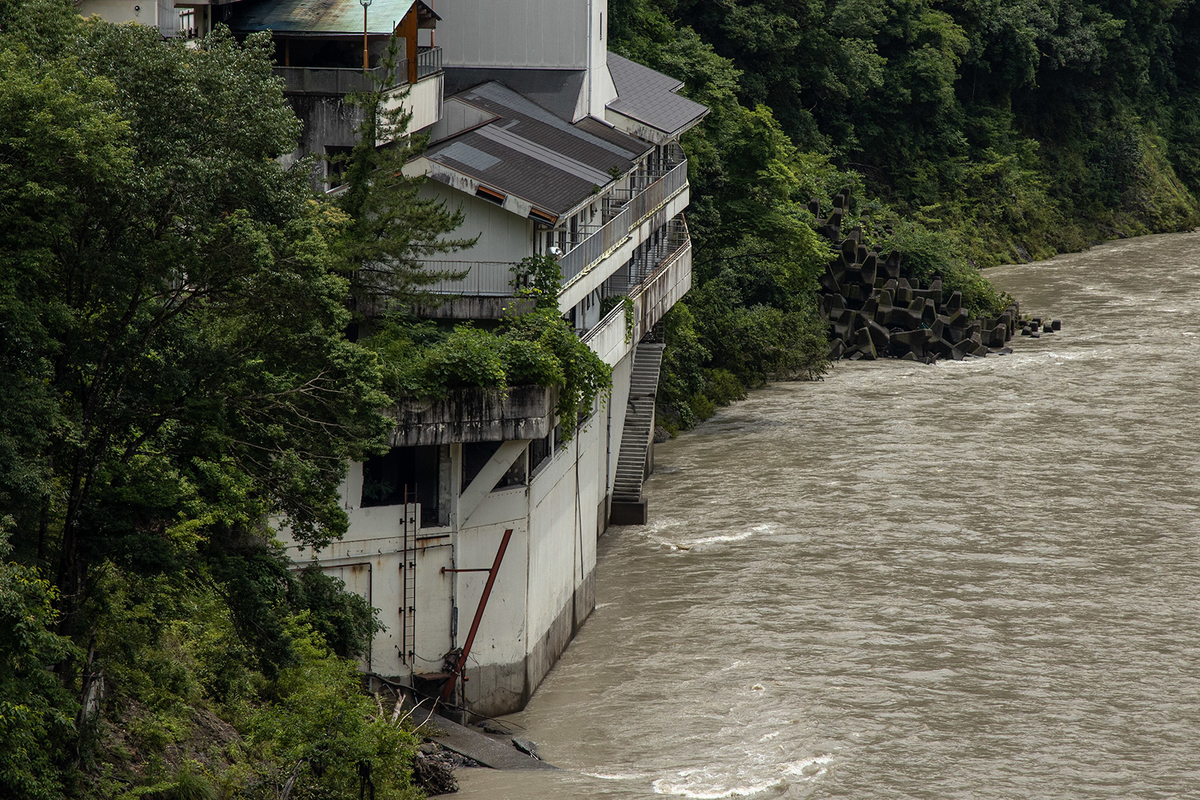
{"x":555,"y":52}
{"x":561,"y":36}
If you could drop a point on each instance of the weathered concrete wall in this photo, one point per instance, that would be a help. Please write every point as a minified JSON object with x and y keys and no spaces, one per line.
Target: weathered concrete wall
{"x":476,"y":415}
{"x":601,"y":89}
{"x":545,"y":588}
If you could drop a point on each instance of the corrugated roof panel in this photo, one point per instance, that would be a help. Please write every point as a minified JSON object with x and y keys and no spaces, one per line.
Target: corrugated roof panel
{"x":520,"y":174}
{"x":540,"y":157}
{"x":318,"y":16}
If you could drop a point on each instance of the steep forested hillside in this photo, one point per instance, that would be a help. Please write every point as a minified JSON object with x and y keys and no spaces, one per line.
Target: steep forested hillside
{"x":978,"y":131}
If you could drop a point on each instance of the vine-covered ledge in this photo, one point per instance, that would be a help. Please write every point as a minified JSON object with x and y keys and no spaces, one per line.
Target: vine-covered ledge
{"x":476,"y":414}
{"x":473,"y":385}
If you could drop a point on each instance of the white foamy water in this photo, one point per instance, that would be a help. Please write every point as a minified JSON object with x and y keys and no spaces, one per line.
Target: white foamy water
{"x":972,"y":580}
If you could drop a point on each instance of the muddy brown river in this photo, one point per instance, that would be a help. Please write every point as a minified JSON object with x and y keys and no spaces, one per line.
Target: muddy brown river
{"x":971,"y":580}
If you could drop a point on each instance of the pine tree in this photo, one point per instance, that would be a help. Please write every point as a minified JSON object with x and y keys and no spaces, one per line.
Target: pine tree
{"x":391,"y":227}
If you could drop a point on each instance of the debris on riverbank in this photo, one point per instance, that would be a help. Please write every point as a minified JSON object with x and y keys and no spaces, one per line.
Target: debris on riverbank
{"x":434,"y":768}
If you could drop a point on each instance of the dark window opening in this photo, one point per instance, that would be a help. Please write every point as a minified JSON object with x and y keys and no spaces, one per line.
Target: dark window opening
{"x":386,"y":477}
{"x":515,"y":475}
{"x":490,"y":195}
{"x":336,"y":161}
{"x":477,"y":454}
{"x":539,"y":451}
{"x":475,"y":457}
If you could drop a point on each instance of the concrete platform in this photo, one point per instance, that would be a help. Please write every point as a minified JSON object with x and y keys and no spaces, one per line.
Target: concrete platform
{"x":474,"y":745}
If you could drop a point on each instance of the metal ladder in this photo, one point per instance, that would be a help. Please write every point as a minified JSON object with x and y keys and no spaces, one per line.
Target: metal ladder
{"x":408,"y":580}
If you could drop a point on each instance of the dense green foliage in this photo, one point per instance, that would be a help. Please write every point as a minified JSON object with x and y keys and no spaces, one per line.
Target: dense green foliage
{"x":971,"y":133}
{"x":175,"y":374}
{"x":535,"y":347}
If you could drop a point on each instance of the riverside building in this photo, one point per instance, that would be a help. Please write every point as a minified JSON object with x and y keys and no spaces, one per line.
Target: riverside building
{"x":550,"y":145}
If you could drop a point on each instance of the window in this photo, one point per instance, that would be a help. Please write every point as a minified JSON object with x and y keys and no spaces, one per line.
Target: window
{"x":516,"y":473}
{"x":416,"y":470}
{"x":539,"y":451}
{"x":475,"y":456}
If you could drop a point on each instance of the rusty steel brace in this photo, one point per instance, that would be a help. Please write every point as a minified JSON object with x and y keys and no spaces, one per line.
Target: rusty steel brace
{"x":448,"y":689}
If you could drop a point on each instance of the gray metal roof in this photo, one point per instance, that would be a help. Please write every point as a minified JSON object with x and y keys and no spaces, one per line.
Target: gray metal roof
{"x":556,"y":90}
{"x":531,"y":153}
{"x":651,"y":97}
{"x":318,"y":16}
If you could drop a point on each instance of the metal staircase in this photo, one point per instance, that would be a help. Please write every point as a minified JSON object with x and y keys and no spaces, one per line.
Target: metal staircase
{"x":628,"y":507}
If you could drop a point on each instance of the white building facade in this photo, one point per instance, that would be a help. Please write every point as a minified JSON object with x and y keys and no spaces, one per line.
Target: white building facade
{"x":550,"y":145}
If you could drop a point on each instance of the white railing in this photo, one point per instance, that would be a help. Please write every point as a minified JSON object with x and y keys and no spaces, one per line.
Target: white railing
{"x":655,"y":295}
{"x":607,"y":337}
{"x":489,"y":278}
{"x":652,"y":295}
{"x":599,"y":244}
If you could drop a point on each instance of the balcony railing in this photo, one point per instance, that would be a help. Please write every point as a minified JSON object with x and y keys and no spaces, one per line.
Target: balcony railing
{"x":612,"y":233}
{"x":653,"y":296}
{"x":429,"y":62}
{"x":648,"y":258}
{"x":493,"y":278}
{"x":652,"y":266}
{"x":338,"y":81}
{"x":484,"y":278}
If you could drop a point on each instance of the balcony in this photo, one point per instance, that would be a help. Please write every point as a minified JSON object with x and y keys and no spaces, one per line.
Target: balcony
{"x":659,"y":276}
{"x":632,"y":213}
{"x":340,"y":81}
{"x":492,"y":278}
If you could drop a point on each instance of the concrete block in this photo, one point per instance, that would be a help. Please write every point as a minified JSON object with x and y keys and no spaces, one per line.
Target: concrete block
{"x":954,"y":303}
{"x":864,"y":344}
{"x":879,"y":335}
{"x":625,"y":512}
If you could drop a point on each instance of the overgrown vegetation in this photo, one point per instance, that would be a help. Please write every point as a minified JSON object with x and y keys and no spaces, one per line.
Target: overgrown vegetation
{"x":536,"y":347}
{"x":969,"y":134}
{"x":173,"y":307}
{"x":175,"y":374}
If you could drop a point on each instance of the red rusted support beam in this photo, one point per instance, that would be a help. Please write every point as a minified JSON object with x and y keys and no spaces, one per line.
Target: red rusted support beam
{"x":448,"y":689}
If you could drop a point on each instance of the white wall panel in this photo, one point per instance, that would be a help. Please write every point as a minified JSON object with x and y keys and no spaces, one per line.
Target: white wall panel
{"x":550,"y":34}
{"x":501,"y":635}
{"x":503,"y":236}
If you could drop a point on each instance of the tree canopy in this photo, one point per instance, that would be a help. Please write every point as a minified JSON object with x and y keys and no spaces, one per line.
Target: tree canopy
{"x":176,"y":379}
{"x":976,"y":131}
